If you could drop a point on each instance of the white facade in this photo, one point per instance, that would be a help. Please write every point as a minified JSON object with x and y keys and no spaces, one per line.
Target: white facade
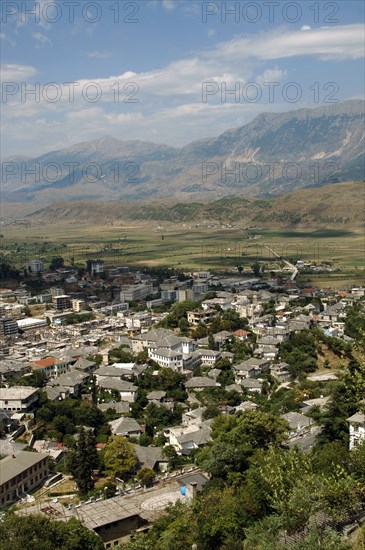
{"x":36,"y":266}
{"x":134,"y":293}
{"x":18,"y":398}
{"x":356,"y":429}
{"x":171,"y":359}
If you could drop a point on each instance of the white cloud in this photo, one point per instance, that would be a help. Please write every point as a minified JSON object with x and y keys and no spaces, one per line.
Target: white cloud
{"x":168,"y":5}
{"x":331,"y":43}
{"x":17,"y":73}
{"x":99,"y":55}
{"x":41,"y":38}
{"x":169,"y":105}
{"x":271,"y":75}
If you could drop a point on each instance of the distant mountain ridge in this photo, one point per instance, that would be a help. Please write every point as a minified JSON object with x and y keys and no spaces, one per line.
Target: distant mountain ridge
{"x":273,"y":154}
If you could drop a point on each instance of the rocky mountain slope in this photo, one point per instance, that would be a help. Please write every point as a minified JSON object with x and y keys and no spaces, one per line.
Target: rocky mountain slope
{"x":273,"y":154}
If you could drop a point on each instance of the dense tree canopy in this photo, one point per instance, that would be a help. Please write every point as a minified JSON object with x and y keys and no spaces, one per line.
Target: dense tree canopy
{"x":120,"y":458}
{"x":41,"y":533}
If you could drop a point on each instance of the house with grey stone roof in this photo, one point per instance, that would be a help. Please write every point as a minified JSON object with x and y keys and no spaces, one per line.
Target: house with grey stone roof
{"x":125,"y":426}
{"x":127,"y":390}
{"x":151,"y":457}
{"x":199,"y":383}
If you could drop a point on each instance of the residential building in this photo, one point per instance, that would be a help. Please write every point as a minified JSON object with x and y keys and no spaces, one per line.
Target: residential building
{"x":168,"y":358}
{"x":125,"y":426}
{"x":127,"y":391}
{"x":249,"y":368}
{"x":252,"y":385}
{"x":184,"y":439}
{"x":199,"y":383}
{"x":200,"y":316}
{"x":21,"y":474}
{"x":36,"y":266}
{"x":135,"y":293}
{"x":72,"y":382}
{"x":96,"y":267}
{"x":151,"y":457}
{"x":51,"y":366}
{"x":8,"y":326}
{"x":62,"y":302}
{"x":356,"y":429}
{"x":31,"y":324}
{"x":300,"y":425}
{"x":78,"y":305}
{"x":18,"y":398}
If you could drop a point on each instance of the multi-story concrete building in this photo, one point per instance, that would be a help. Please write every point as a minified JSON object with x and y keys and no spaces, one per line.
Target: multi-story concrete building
{"x":96,"y":267}
{"x":36,"y":266}
{"x":62,"y":302}
{"x":8,"y":326}
{"x":198,"y":316}
{"x":78,"y":305}
{"x":135,"y":293}
{"x":18,"y":398}
{"x":21,"y":474}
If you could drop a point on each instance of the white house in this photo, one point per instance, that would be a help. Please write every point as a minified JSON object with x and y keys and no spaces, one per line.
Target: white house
{"x":171,"y":359}
{"x":356,"y":429}
{"x":185,"y":439}
{"x":127,"y":391}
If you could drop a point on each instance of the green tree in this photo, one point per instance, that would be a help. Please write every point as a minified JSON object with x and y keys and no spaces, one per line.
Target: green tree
{"x":109,"y":489}
{"x":184,"y":325}
{"x":82,"y":460}
{"x":256,"y":269}
{"x":119,"y":457}
{"x":38,"y":532}
{"x":56,"y":262}
{"x":146,"y":476}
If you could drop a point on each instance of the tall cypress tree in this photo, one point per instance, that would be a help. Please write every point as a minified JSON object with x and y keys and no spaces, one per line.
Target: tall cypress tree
{"x":82,"y":461}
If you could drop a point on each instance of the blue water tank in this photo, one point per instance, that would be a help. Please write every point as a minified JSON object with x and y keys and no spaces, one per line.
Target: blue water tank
{"x":183,"y":490}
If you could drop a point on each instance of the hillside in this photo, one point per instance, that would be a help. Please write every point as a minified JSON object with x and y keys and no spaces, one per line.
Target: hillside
{"x":331,"y":206}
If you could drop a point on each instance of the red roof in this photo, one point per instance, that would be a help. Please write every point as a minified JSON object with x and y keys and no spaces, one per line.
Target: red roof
{"x":46,"y":362}
{"x":241,"y":332}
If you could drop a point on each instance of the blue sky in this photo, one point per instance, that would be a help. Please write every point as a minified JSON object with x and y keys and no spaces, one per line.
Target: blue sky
{"x":171,"y":61}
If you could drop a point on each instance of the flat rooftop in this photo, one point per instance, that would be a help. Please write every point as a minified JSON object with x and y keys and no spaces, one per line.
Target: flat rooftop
{"x":17,"y":392}
{"x":146,"y":503}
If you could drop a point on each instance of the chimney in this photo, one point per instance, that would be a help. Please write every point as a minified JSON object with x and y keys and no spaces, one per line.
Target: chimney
{"x":191,"y":490}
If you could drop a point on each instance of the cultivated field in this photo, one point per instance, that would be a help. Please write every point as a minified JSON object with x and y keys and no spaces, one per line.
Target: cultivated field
{"x":189,"y":246}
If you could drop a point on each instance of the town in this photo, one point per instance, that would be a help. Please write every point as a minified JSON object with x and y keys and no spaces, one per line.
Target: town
{"x":118,"y":387}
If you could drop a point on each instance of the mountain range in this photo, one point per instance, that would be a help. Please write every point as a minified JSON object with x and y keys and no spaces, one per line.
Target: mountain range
{"x":274,"y":154}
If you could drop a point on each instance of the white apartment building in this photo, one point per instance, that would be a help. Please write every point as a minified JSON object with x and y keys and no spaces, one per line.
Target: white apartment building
{"x":36,"y":266}
{"x":135,"y":293}
{"x":18,"y":398}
